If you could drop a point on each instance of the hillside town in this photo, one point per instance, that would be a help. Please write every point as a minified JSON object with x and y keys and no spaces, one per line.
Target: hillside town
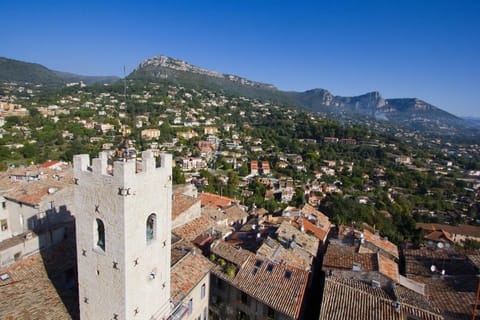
{"x":268,"y":212}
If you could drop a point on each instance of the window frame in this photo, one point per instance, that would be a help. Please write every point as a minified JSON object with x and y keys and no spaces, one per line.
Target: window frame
{"x":151,"y":228}
{"x":100,"y":235}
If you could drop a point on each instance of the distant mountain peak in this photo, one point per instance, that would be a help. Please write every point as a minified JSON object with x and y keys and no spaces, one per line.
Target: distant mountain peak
{"x":177,"y":64}
{"x":404,"y":112}
{"x":162,"y":67}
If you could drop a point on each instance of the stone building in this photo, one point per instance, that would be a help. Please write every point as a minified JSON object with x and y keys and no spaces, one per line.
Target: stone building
{"x":123,"y":226}
{"x":121,"y":260}
{"x":129,"y":267}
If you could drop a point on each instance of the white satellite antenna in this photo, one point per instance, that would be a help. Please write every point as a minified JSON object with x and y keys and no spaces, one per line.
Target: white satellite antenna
{"x":440,"y":245}
{"x":433,"y":268}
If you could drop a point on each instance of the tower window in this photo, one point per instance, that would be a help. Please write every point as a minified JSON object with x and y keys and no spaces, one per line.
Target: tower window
{"x":100,"y":234}
{"x":151,"y":227}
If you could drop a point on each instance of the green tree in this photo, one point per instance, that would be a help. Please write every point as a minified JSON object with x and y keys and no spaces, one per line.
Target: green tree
{"x":177,"y":175}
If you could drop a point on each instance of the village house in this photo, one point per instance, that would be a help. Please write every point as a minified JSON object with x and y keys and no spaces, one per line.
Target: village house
{"x":150,"y":133}
{"x":36,"y":206}
{"x":188,"y":164}
{"x":446,"y":233}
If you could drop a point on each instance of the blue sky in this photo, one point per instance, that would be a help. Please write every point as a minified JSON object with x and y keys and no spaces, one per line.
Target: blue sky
{"x":402,"y":48}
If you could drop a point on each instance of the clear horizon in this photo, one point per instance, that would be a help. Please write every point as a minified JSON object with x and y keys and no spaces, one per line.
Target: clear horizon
{"x":426,"y":50}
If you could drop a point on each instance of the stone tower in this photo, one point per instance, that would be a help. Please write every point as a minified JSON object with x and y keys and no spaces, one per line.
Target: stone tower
{"x":123,"y":222}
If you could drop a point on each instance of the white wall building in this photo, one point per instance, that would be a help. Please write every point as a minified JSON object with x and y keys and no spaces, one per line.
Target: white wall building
{"x":123,"y":224}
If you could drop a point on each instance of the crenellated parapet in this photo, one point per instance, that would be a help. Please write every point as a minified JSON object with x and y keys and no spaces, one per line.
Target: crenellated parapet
{"x":122,"y":169}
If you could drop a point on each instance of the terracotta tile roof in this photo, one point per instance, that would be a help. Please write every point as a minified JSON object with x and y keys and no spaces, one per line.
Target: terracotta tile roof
{"x":186,"y":274}
{"x":228,"y":252}
{"x":272,"y":250}
{"x":343,"y":257}
{"x":181,"y":203}
{"x":454,"y":262}
{"x":281,"y":287}
{"x":309,"y":243}
{"x":235,"y":213}
{"x":439,"y":236}
{"x":345,"y":299}
{"x":453,"y":293}
{"x":30,"y":292}
{"x":454,"y":303}
{"x":194,"y":228}
{"x":214,"y":200}
{"x":381,"y":243}
{"x":33,"y":192}
{"x":310,"y":228}
{"x":259,"y":212}
{"x":309,"y":209}
{"x":411,"y":298}
{"x":48,"y":164}
{"x":463,"y":229}
{"x":388,"y":267}
{"x":215,"y":214}
{"x":475,"y":259}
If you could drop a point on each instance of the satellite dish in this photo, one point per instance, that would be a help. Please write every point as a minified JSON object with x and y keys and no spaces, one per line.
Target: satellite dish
{"x":433,"y":268}
{"x":440,"y":245}
{"x":447,"y":245}
{"x":443,"y":272}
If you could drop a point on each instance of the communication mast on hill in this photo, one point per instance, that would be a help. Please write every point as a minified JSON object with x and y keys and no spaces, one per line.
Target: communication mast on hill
{"x":126,"y":150}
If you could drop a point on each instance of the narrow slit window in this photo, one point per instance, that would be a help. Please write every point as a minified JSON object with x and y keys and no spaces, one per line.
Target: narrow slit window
{"x":151,"y":227}
{"x":100,"y":234}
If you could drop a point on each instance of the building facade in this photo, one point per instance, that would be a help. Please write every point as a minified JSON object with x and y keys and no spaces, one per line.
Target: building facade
{"x":123,"y":226}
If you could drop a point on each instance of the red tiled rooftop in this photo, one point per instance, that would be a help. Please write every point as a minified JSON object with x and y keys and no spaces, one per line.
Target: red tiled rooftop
{"x":48,"y":164}
{"x":343,"y":257}
{"x":214,"y":200}
{"x":345,"y":299}
{"x":194,"y":228}
{"x":280,"y":287}
{"x":228,"y":252}
{"x":463,"y":229}
{"x":381,"y":243}
{"x":388,"y":267}
{"x":309,"y":227}
{"x":187,"y":274}
{"x":181,"y":203}
{"x":439,"y":235}
{"x":30,"y":292}
{"x":272,"y":250}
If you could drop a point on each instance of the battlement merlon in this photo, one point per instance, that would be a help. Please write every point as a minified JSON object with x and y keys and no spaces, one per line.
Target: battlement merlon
{"x":81,"y":162}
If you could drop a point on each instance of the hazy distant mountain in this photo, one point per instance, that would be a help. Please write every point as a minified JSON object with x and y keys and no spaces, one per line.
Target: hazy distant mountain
{"x":406,"y":112}
{"x":71,"y":77}
{"x":19,"y":71}
{"x":411,"y":113}
{"x":472,"y":120}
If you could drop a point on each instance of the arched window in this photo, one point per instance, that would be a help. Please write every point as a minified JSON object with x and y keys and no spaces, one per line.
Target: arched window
{"x":151,"y":227}
{"x":100,"y":235}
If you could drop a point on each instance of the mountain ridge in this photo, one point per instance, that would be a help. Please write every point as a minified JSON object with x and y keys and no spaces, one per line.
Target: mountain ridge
{"x":410,"y":113}
{"x":27,"y":72}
